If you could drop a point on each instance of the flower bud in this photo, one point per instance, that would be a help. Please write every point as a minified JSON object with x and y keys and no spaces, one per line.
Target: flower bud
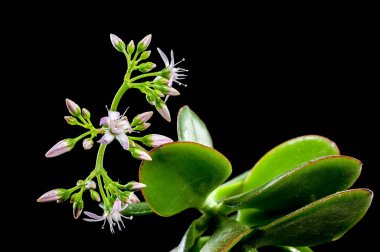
{"x":117,"y":43}
{"x":131,"y":47}
{"x":133,"y":199}
{"x":141,"y":127}
{"x":58,"y":195}
{"x":87,"y":143}
{"x":137,"y":186}
{"x":163,"y":110}
{"x":146,"y":67}
{"x":73,"y":108}
{"x":95,"y":196}
{"x":61,"y":147}
{"x":141,"y":118}
{"x":75,"y":197}
{"x":140,"y":154}
{"x":80,"y":182}
{"x":167,"y":90}
{"x":145,"y":55}
{"x":90,"y":185}
{"x":78,"y":208}
{"x":144,"y":43}
{"x":162,"y":81}
{"x":150,"y":99}
{"x":86,"y":114}
{"x":155,"y":140}
{"x":71,"y":120}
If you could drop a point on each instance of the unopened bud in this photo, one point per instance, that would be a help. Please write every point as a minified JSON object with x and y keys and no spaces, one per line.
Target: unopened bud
{"x":164,"y":111}
{"x":58,"y":195}
{"x":73,"y":108}
{"x":90,"y":185}
{"x":71,"y":120}
{"x":140,"y":154}
{"x":86,"y":114}
{"x":142,"y":118}
{"x":117,"y":43}
{"x":162,"y":81}
{"x":155,"y":140}
{"x":146,"y":67}
{"x":87,"y":143}
{"x":144,"y":43}
{"x":137,"y":186}
{"x":78,"y":208}
{"x":133,"y":199}
{"x":141,"y":127}
{"x":131,"y":47}
{"x":95,"y":196}
{"x":167,"y":90}
{"x":61,"y":147}
{"x":145,"y":55}
{"x":150,"y":99}
{"x":80,"y":182}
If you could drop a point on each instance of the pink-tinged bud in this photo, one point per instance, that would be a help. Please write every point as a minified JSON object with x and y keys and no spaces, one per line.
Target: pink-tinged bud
{"x":144,"y":43}
{"x":117,"y":43}
{"x":155,"y":140}
{"x":131,"y":47}
{"x":77,"y":208}
{"x":146,"y":67}
{"x":90,"y":185}
{"x":61,"y":147}
{"x":95,"y":196}
{"x":137,"y":186}
{"x":141,"y":118}
{"x":173,"y":92}
{"x":87,"y":143}
{"x":151,"y":100}
{"x":73,"y":108}
{"x":140,"y":154}
{"x":49,"y":196}
{"x":164,"y":112}
{"x":133,"y":199}
{"x":162,"y":81}
{"x":71,"y":120}
{"x":86,"y":114}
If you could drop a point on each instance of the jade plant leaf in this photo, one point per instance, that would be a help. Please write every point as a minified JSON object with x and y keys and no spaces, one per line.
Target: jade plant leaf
{"x":181,"y":176}
{"x":287,"y":156}
{"x":300,"y":186}
{"x":138,"y":209}
{"x":322,"y":221}
{"x":227,"y":234}
{"x":196,"y":229}
{"x":285,"y":249}
{"x":191,"y":128}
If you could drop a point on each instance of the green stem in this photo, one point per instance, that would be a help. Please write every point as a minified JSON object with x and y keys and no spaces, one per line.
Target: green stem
{"x":145,"y":76}
{"x":83,"y":135}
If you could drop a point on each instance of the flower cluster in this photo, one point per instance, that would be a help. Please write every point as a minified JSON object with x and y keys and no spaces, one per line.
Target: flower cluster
{"x":114,"y":197}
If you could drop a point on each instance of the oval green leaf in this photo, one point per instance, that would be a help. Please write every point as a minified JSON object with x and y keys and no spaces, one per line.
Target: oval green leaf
{"x":287,"y":156}
{"x":181,"y":176}
{"x":322,"y":221}
{"x":227,"y":234}
{"x":191,"y":128}
{"x":300,"y":186}
{"x":138,"y":209}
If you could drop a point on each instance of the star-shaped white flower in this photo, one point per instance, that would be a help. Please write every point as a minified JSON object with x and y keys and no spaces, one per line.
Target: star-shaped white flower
{"x":117,"y":127}
{"x":176,"y":73}
{"x":113,"y":217}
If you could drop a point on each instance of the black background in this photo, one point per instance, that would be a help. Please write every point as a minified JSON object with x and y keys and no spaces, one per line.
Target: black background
{"x":256,"y":82}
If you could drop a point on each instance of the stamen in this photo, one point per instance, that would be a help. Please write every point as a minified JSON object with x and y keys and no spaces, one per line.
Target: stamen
{"x":182,"y":60}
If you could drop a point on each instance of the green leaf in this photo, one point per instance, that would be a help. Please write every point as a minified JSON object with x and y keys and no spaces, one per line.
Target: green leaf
{"x":295,"y":249}
{"x":181,"y":176}
{"x":138,"y":209}
{"x":300,"y":186}
{"x":230,"y":188}
{"x":287,"y":156}
{"x":196,"y":229}
{"x":200,"y":243}
{"x":191,"y":128}
{"x":227,"y":234}
{"x":322,"y":221}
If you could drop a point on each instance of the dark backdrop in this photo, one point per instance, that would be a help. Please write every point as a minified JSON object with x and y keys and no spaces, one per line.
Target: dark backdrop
{"x":255,"y":82}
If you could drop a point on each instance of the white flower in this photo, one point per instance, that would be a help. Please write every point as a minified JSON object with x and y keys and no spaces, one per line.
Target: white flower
{"x":117,"y":126}
{"x":113,"y":217}
{"x":176,"y":73}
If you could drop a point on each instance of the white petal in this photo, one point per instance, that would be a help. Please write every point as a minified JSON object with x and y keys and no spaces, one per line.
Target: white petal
{"x":171,"y":60}
{"x":94,"y":216}
{"x":113,"y":115}
{"x":116,"y":206}
{"x":107,"y":138}
{"x":123,"y":139}
{"x":163,"y":56}
{"x":92,"y":220}
{"x":104,"y":121}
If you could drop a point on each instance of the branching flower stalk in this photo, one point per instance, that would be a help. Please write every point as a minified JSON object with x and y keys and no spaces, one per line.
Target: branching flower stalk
{"x":115,"y":197}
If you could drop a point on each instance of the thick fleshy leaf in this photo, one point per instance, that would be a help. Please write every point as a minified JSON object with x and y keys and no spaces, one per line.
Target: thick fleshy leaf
{"x":322,"y":221}
{"x":191,"y":128}
{"x":287,"y":156}
{"x":181,"y":176}
{"x":230,"y":188}
{"x":285,"y":249}
{"x":200,"y":243}
{"x":300,"y":186}
{"x":227,"y":234}
{"x":138,"y":209}
{"x":196,"y":229}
